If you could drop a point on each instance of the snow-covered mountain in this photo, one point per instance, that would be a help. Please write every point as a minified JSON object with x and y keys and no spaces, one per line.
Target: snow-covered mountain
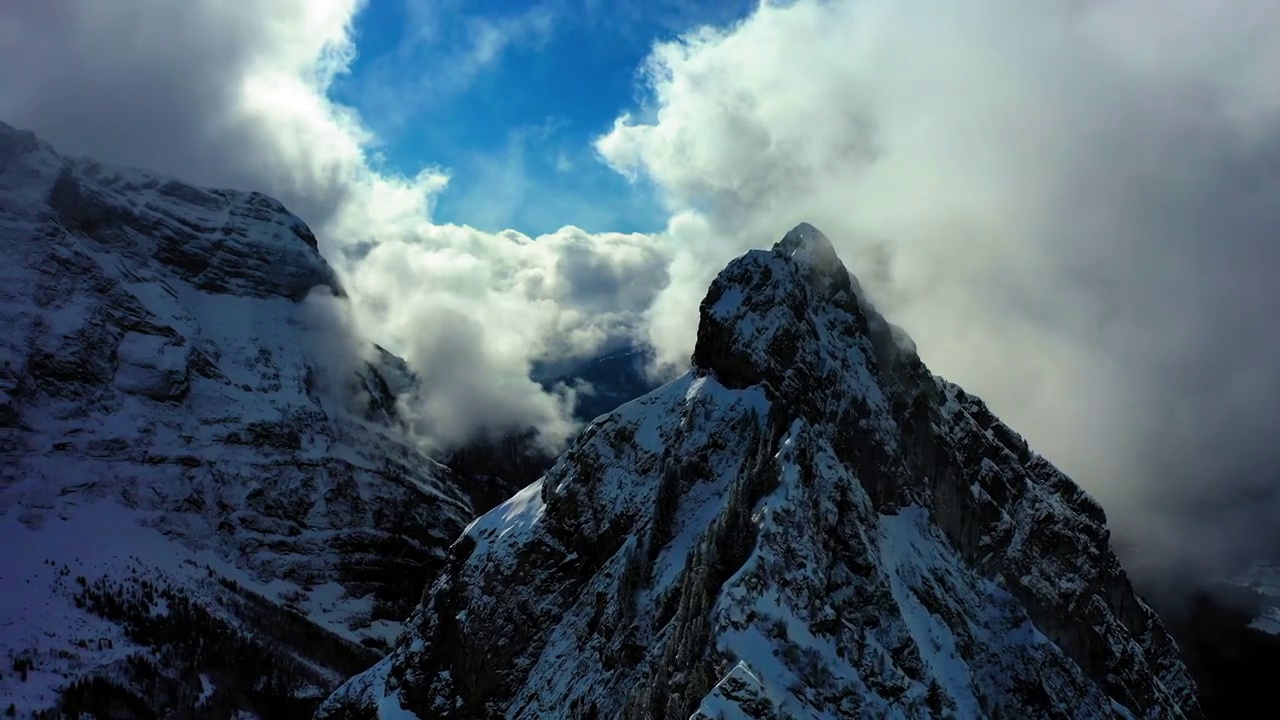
{"x":204,"y":495}
{"x":211,"y":511}
{"x":807,"y":525}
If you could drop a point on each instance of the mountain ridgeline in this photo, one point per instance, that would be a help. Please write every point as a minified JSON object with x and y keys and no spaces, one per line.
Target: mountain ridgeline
{"x":807,"y":524}
{"x":221,"y":515}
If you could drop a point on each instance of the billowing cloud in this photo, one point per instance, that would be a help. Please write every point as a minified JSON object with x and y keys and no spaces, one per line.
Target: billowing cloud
{"x":237,"y":94}
{"x":471,"y":310}
{"x":1073,"y":207}
{"x":217,"y":93}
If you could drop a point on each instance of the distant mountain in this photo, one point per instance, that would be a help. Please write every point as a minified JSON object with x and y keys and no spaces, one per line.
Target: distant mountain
{"x":1228,"y":628}
{"x":499,"y":466}
{"x":807,"y":525}
{"x":209,"y":506}
{"x":603,"y":382}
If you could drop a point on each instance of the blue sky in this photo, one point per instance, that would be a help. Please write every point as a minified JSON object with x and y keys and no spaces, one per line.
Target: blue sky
{"x":508,"y":96}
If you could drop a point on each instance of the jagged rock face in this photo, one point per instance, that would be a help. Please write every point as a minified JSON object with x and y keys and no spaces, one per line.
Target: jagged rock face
{"x":163,"y":365}
{"x":808,"y":524}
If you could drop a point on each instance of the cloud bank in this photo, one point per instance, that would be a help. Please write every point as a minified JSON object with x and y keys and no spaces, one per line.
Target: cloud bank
{"x":1071,"y":205}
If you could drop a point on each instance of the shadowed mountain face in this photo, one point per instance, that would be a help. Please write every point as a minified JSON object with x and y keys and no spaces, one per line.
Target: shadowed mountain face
{"x":603,"y":382}
{"x":808,"y":524}
{"x":496,"y":467}
{"x":195,"y":454}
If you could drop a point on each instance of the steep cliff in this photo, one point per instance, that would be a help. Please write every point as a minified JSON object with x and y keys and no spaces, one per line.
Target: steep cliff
{"x":808,"y":524}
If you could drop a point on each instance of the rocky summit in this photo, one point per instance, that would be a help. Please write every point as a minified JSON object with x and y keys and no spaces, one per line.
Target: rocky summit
{"x":208,"y":504}
{"x":807,"y":525}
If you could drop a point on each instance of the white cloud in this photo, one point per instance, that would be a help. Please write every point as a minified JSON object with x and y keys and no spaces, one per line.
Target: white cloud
{"x":238,"y":94}
{"x":1071,"y":205}
{"x":470,"y":310}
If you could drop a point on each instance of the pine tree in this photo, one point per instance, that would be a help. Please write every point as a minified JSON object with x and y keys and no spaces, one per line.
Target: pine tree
{"x":935,"y":697}
{"x":665,"y":503}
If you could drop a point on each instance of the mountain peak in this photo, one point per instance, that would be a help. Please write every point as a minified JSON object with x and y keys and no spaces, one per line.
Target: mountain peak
{"x":812,"y":252}
{"x":809,"y":524}
{"x":807,"y":242}
{"x":14,"y":141}
{"x":783,"y":317}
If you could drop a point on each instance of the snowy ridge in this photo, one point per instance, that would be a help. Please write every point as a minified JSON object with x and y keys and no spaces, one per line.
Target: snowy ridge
{"x":179,"y":405}
{"x":808,"y":524}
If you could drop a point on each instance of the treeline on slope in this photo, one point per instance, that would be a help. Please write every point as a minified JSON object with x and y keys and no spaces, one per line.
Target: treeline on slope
{"x":257,"y":667}
{"x":393,"y":567}
{"x":710,"y":563}
{"x":491,"y":469}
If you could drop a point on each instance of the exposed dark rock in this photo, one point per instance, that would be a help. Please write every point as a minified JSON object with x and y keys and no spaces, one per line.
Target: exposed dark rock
{"x":492,"y":469}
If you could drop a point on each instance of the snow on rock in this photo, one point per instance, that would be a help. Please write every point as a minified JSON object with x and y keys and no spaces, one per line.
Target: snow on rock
{"x":187,"y":439}
{"x":738,"y":696}
{"x":808,"y":524}
{"x":152,"y":366}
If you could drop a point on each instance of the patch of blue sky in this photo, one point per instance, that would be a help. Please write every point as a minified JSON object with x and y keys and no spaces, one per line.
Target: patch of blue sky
{"x":509,"y":96}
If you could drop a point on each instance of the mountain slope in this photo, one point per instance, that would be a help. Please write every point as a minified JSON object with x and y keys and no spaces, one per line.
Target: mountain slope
{"x":193,"y":453}
{"x":808,"y":524}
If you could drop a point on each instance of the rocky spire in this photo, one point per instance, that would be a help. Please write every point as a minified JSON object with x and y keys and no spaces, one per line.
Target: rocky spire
{"x":806,"y":246}
{"x":809,"y":524}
